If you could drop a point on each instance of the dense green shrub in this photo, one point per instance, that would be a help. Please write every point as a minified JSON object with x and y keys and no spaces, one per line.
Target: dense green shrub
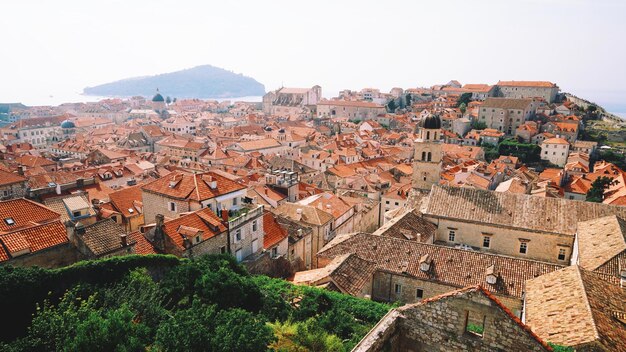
{"x":163,"y":303}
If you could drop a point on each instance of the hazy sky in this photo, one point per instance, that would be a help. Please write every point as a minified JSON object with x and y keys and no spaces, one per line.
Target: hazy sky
{"x":59,"y":47}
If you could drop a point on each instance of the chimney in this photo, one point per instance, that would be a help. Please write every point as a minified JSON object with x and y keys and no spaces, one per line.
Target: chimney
{"x":213,"y":185}
{"x":224,"y":214}
{"x":58,"y":189}
{"x":159,"y":236}
{"x":298,"y":215}
{"x":20,"y":170}
{"x":79,"y":229}
{"x":123,"y":240}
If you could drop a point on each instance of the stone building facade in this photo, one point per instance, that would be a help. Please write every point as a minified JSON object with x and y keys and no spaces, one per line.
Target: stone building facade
{"x":469,"y":319}
{"x":506,"y":114}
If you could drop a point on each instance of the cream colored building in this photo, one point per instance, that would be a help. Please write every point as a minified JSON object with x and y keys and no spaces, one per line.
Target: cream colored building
{"x":528,"y":89}
{"x":506,"y":114}
{"x":353,"y":110}
{"x":555,"y":150}
{"x":518,"y":225}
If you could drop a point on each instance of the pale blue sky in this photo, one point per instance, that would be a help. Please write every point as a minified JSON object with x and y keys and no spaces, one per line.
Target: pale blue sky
{"x":59,"y":47}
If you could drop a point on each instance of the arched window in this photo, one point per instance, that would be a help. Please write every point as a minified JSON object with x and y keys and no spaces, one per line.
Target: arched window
{"x":423,"y":156}
{"x":427,"y":135}
{"x":429,"y":156}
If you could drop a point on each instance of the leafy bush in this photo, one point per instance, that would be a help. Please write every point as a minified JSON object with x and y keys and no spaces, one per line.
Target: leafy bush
{"x":163,"y":303}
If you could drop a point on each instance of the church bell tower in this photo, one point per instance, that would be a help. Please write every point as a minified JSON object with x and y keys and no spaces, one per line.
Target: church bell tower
{"x":427,"y":157}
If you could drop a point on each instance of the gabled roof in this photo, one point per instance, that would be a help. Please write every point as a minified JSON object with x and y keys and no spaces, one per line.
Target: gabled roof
{"x":575,"y":307}
{"x":506,"y":103}
{"x":449,"y":266}
{"x":32,"y":239}
{"x":600,"y":240}
{"x":126,"y":199}
{"x":274,"y":232}
{"x":24,"y":213}
{"x":103,"y":237}
{"x":192,"y":186}
{"x":310,"y":215}
{"x":552,"y":215}
{"x":9,"y":178}
{"x":203,"y":220}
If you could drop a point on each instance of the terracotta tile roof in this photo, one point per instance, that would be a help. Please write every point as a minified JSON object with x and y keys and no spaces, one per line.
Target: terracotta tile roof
{"x":274,"y":232}
{"x":600,"y":240}
{"x":142,"y":246}
{"x":103,"y":237}
{"x":310,"y":215}
{"x":128,"y":199}
{"x":203,"y":220}
{"x":555,"y":141}
{"x":449,"y":266}
{"x":329,"y":203}
{"x":506,"y":103}
{"x":574,"y":307}
{"x":33,"y":161}
{"x":58,"y":177}
{"x":578,"y":184}
{"x":9,"y":178}
{"x":32,"y":239}
{"x":536,"y":84}
{"x":550,"y":215}
{"x":260,"y":144}
{"x":348,"y":273}
{"x":408,"y":226}
{"x":192,"y":186}
{"x":24,"y":213}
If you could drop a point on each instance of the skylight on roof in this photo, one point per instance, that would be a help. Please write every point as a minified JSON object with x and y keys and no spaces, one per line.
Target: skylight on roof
{"x":130,"y":210}
{"x":9,"y":221}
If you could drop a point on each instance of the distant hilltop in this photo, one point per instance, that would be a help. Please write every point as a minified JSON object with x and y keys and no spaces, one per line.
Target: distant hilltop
{"x":199,"y":82}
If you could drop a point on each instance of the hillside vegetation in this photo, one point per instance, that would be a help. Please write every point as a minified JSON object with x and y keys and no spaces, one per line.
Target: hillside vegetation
{"x":198,"y":82}
{"x":162,"y":303}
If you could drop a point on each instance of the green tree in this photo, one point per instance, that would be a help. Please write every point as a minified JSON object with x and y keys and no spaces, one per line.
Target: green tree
{"x":478,"y":125}
{"x":239,"y":330}
{"x":464,"y":98}
{"x":409,"y":98}
{"x":598,"y":187}
{"x":613,"y":157}
{"x":463,"y":108}
{"x":168,"y":100}
{"x":526,"y":152}
{"x":391,"y":106}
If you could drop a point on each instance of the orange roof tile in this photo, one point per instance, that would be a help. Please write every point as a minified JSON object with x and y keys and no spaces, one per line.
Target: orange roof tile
{"x":274,"y":232}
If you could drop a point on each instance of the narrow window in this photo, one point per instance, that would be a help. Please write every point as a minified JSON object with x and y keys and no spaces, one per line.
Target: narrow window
{"x":451,"y":235}
{"x":223,"y":249}
{"x":561,"y":253}
{"x":423,"y":156}
{"x":523,"y":248}
{"x":398,"y":289}
{"x":238,"y":235}
{"x":429,"y":156}
{"x":254,"y":225}
{"x":419,"y":293}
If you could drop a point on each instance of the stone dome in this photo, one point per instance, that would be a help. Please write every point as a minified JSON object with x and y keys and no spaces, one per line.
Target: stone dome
{"x":68,"y":124}
{"x":432,"y":122}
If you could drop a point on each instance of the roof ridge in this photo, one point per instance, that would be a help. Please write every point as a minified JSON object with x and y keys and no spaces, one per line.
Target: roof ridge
{"x":586,"y":301}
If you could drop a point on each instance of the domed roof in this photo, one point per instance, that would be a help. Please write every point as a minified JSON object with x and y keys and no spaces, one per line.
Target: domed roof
{"x":158,"y":97}
{"x":68,"y":124}
{"x":432,"y":122}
